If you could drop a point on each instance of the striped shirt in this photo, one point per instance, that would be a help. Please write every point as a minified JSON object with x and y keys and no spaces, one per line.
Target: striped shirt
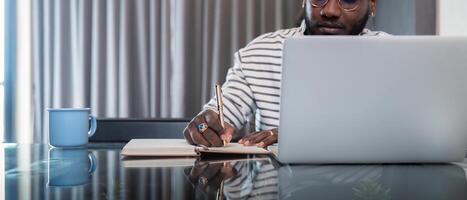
{"x":260,"y":179}
{"x":253,"y":84}
{"x":254,"y":180}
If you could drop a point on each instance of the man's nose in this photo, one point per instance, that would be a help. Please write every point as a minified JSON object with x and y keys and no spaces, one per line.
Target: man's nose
{"x":332,"y":9}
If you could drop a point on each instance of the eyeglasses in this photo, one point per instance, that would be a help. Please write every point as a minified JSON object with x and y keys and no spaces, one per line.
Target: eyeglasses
{"x":347,"y":5}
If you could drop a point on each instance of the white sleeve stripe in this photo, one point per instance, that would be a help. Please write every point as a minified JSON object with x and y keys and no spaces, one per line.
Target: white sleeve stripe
{"x":229,"y":113}
{"x":242,"y":100}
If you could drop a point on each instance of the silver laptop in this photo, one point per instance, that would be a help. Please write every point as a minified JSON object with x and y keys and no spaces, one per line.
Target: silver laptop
{"x":373,"y":100}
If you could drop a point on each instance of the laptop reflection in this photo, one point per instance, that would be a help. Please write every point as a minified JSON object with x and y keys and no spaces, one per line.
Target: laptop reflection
{"x":372,"y":182}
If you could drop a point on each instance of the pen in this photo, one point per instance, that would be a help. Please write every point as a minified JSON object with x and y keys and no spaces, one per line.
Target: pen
{"x":220,"y":192}
{"x":220,"y":106}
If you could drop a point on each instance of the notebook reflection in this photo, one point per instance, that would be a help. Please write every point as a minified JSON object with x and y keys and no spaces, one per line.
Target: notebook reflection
{"x":235,"y":177}
{"x":372,"y":182}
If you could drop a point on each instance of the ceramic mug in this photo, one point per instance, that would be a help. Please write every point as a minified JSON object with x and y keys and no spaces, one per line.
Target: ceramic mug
{"x":71,"y":127}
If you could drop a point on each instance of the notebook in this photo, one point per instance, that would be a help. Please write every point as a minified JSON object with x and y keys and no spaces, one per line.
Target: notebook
{"x":180,"y":148}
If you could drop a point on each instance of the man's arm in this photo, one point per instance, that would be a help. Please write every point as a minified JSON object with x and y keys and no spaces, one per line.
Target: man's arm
{"x":239,"y":104}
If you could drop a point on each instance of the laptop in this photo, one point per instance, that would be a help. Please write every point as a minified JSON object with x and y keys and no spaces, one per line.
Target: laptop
{"x":373,"y":100}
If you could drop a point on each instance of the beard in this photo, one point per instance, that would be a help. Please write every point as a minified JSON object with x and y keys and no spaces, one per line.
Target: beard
{"x":355,"y":29}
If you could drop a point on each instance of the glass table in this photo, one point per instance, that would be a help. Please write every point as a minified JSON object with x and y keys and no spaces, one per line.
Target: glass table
{"x":99,"y":172}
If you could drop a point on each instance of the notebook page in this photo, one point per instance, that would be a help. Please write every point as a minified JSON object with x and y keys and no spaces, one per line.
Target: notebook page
{"x":234,"y":148}
{"x":158,"y":147}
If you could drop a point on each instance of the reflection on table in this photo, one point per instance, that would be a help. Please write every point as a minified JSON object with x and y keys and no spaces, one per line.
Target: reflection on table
{"x":443,"y":181}
{"x":70,"y":167}
{"x":99,"y":172}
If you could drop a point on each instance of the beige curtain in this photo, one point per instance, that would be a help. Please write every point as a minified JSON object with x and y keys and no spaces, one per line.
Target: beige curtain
{"x":141,"y":58}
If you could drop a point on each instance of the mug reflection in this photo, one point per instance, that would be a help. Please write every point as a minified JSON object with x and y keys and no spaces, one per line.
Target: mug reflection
{"x":70,"y":167}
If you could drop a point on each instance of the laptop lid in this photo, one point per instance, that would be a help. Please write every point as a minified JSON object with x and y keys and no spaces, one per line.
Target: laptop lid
{"x":373,"y":99}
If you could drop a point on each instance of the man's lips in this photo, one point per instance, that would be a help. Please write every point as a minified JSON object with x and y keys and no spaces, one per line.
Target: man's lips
{"x":330,"y":30}
{"x":330,"y":27}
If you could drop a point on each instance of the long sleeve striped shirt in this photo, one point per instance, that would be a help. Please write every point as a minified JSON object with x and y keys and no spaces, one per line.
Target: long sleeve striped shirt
{"x":253,"y":84}
{"x":255,"y":180}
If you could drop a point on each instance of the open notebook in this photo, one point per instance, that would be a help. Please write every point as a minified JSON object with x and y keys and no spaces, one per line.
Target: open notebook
{"x":180,"y":148}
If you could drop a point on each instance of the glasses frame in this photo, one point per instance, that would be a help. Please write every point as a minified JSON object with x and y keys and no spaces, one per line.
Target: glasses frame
{"x":339,"y":3}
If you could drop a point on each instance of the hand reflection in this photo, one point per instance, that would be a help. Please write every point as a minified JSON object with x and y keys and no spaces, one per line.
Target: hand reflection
{"x":207,"y":177}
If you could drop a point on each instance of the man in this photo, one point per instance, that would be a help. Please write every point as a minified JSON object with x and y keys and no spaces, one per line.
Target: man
{"x":253,"y":84}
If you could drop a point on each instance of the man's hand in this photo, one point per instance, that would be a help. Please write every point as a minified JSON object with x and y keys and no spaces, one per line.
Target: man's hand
{"x":213,"y":135}
{"x":261,"y":139}
{"x":206,"y":177}
{"x":210,"y":173}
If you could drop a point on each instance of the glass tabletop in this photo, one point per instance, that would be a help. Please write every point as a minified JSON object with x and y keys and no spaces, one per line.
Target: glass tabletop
{"x":99,"y":172}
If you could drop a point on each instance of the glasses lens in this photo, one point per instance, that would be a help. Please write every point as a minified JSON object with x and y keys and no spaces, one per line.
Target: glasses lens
{"x":349,"y":4}
{"x":319,"y":3}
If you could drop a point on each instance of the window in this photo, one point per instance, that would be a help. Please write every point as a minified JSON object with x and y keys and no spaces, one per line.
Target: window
{"x":2,"y":69}
{"x":15,"y":58}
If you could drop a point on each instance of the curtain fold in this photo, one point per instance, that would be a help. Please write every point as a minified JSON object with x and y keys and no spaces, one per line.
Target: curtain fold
{"x":141,"y":58}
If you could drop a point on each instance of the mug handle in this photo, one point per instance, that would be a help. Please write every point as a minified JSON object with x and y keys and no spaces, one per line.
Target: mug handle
{"x":93,"y":127}
{"x":92,"y":163}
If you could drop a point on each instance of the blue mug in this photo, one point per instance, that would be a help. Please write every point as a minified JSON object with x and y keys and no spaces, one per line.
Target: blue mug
{"x":70,"y":127}
{"x":70,"y":167}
